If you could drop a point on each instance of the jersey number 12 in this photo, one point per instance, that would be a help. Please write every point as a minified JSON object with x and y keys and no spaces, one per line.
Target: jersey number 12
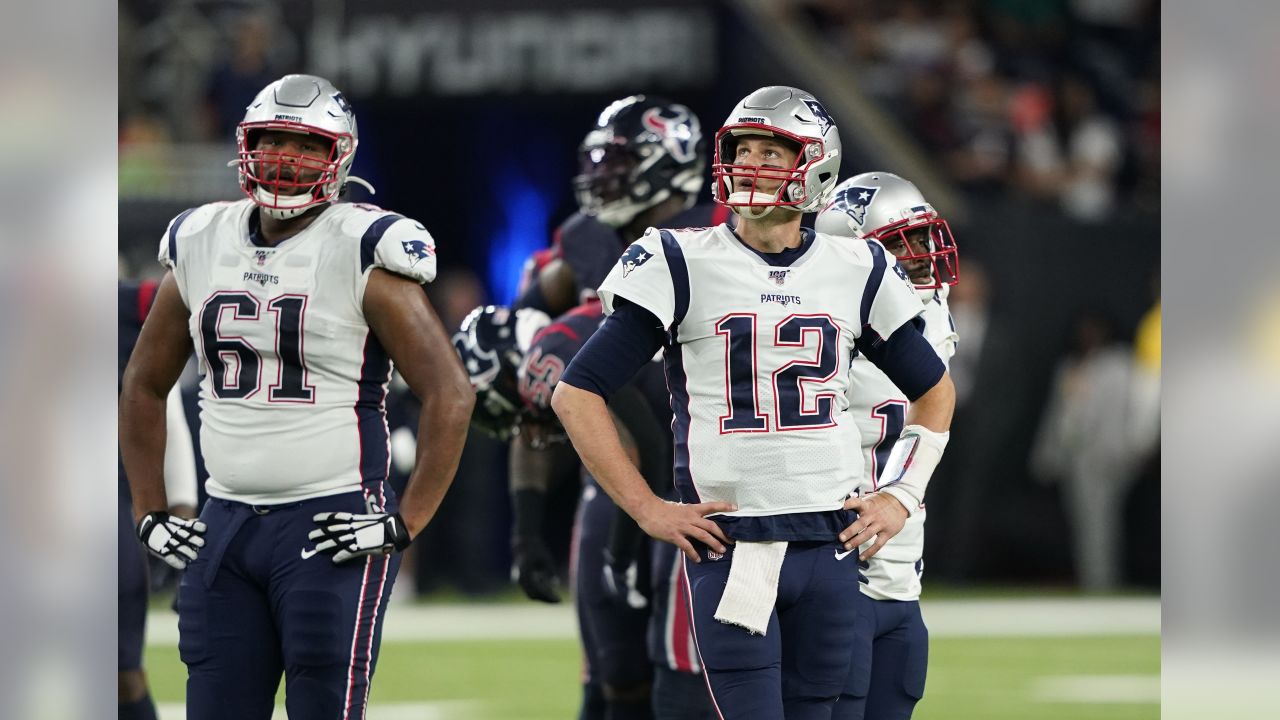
{"x":791,"y":412}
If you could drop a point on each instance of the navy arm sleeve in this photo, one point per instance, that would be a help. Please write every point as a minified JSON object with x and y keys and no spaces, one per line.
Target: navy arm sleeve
{"x":907,"y":358}
{"x":626,"y":340}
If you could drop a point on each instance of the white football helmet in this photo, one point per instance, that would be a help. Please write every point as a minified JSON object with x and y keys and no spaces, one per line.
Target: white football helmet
{"x":891,"y":209}
{"x":285,"y":185}
{"x":789,"y":113}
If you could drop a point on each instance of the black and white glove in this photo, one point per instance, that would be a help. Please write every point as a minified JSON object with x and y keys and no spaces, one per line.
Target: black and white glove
{"x":173,"y":539}
{"x":622,"y":583}
{"x":350,"y":535}
{"x":534,"y":570}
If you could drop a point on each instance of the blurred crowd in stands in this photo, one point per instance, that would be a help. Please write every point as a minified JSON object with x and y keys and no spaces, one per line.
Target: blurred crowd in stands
{"x":1056,"y":100}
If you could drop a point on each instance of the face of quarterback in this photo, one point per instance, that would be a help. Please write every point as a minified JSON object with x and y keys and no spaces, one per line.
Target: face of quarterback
{"x":920,"y":270}
{"x":764,"y":152}
{"x":290,"y":161}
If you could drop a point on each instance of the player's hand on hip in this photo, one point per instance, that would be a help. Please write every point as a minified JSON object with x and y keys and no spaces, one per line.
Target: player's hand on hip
{"x":351,"y":535}
{"x":173,"y":539}
{"x":879,"y":516}
{"x":678,"y":523}
{"x":534,"y":570}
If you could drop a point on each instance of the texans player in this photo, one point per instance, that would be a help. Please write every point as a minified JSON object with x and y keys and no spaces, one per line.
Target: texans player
{"x":642,"y":165}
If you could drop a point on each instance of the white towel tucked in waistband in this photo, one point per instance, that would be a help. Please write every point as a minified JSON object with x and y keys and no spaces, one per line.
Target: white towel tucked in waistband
{"x":753,"y":585}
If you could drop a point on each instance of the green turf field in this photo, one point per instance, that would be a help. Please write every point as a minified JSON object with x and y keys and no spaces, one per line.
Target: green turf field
{"x":1047,"y":678}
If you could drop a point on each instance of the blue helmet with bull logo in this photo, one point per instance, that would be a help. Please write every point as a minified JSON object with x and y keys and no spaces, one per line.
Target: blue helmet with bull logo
{"x":491,"y":343}
{"x":641,"y":150}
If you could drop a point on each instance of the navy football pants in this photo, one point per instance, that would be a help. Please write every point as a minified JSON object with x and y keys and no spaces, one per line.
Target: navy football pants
{"x":613,"y":637}
{"x":679,"y":689}
{"x":890,"y":658}
{"x":255,"y":604}
{"x":132,"y":592}
{"x":797,"y":669}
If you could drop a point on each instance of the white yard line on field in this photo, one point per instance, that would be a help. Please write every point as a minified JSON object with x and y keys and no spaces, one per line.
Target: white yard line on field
{"x":1042,"y":617}
{"x":1097,"y":689}
{"x":945,"y":618}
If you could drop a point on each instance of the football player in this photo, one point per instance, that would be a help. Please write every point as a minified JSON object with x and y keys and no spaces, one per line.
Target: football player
{"x":641,"y":165}
{"x":133,"y":304}
{"x":758,"y":325}
{"x":296,"y":306}
{"x":887,"y":676}
{"x":515,"y":359}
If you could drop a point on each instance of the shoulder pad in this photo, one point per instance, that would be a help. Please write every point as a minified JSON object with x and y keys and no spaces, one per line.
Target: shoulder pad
{"x":188,"y":223}
{"x":392,"y":242}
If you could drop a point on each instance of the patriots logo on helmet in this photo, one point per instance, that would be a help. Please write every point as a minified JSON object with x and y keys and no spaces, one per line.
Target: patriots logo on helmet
{"x":679,"y":134}
{"x":634,"y":257}
{"x":820,"y":113}
{"x":853,"y":201}
{"x":416,"y":249}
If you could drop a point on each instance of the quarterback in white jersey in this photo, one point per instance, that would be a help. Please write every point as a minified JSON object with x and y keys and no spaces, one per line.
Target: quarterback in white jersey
{"x":880,"y":208}
{"x":295,"y":305}
{"x":758,"y":325}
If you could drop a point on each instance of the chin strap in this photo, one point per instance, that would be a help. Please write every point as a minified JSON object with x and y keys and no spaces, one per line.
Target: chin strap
{"x":293,"y":205}
{"x":751,"y":213}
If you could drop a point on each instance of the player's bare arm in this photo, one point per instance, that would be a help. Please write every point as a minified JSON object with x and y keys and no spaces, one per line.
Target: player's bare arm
{"x":531,"y":470}
{"x":557,"y":283}
{"x":882,"y":515}
{"x":934,"y":409}
{"x":586,"y":419}
{"x":398,"y":313}
{"x":162,"y":351}
{"x":157,"y":361}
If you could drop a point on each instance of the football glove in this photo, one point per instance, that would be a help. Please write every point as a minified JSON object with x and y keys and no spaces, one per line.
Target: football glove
{"x":534,"y":570}
{"x":350,"y":535}
{"x":622,"y":583}
{"x":173,"y":539}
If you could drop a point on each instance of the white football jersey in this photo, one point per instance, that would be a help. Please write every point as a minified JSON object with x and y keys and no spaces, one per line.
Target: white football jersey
{"x":880,"y":410}
{"x":293,"y":380}
{"x":759,"y":366}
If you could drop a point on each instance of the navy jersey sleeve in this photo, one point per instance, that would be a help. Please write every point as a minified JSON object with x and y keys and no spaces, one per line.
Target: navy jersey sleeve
{"x":626,"y":341}
{"x":907,"y":358}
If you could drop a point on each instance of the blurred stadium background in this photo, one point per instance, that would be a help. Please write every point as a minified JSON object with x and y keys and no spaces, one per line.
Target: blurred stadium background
{"x":1033,"y":125}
